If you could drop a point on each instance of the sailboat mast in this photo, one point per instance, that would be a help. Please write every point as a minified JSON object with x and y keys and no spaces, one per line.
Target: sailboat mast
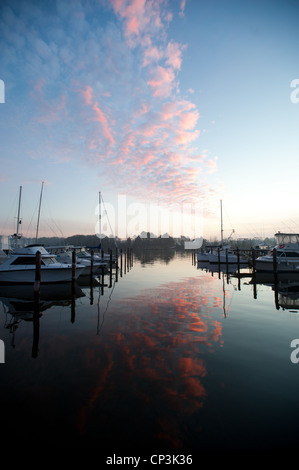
{"x":19,"y":209}
{"x":221,"y":222}
{"x":40,"y":202}
{"x":100,"y":214}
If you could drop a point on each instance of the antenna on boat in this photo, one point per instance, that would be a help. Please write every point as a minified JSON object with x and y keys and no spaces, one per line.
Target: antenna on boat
{"x":40,"y":202}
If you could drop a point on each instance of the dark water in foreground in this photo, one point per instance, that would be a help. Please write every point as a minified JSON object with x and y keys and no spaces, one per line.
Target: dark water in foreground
{"x":170,"y":356}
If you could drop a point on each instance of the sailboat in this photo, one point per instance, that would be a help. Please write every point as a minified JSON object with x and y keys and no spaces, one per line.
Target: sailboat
{"x":14,"y":239}
{"x":104,"y":257}
{"x":20,"y":266}
{"x":224,"y":254}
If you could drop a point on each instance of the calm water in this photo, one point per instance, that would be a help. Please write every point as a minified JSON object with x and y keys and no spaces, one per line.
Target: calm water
{"x":166,"y":356}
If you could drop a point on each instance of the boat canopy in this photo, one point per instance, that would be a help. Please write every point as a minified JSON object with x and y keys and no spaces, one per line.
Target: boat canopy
{"x":287,"y":237}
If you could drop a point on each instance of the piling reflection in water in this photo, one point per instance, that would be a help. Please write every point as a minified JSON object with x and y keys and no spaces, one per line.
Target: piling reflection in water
{"x":21,"y":304}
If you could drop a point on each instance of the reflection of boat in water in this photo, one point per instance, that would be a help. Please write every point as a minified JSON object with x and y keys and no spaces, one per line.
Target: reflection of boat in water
{"x":288,"y":296}
{"x":231,"y":268}
{"x":21,"y":305}
{"x":285,"y":287}
{"x":287,"y":255}
{"x":20,"y":299}
{"x":20,"y":267}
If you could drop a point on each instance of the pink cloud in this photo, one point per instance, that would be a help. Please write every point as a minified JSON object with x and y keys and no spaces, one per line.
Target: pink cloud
{"x":133,"y":13}
{"x":184,"y":138}
{"x":188,"y":120}
{"x":162,"y":82}
{"x":103,"y":120}
{"x":212,"y":164}
{"x":174,"y":55}
{"x":87,"y":93}
{"x":182,"y":7}
{"x":152,"y":54}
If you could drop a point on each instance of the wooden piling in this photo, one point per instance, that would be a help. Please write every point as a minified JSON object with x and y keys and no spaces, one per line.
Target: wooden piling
{"x":102,"y":279}
{"x":253,"y":259}
{"x":73,"y":265}
{"x":121,"y":262}
{"x":91,"y":263}
{"x":110,"y":259}
{"x":110,"y":267}
{"x":274,"y":261}
{"x":37,"y":272}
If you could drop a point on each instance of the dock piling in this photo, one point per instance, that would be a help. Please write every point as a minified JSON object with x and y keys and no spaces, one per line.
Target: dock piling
{"x":73,"y":265}
{"x":37,"y":273}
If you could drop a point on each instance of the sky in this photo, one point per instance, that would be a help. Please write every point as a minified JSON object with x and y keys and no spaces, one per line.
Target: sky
{"x":164,"y":107}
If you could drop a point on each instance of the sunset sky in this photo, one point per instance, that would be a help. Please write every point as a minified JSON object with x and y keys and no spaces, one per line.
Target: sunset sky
{"x":163,"y":106}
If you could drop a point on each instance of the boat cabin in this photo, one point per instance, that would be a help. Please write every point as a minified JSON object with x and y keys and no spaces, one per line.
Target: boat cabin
{"x":286,"y":238}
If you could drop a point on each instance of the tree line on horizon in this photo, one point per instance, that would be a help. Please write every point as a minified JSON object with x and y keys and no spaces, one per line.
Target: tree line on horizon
{"x":146,"y":240}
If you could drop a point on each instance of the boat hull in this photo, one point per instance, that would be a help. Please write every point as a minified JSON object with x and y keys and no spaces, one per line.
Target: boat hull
{"x":266,"y":266}
{"x":203,"y":257}
{"x":26,"y":275}
{"x":229,"y":258}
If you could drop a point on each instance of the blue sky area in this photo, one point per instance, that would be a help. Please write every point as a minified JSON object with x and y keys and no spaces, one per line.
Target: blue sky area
{"x":165,"y":107}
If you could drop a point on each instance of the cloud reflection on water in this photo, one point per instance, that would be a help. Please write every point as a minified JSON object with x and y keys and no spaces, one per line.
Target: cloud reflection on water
{"x":154,"y":352}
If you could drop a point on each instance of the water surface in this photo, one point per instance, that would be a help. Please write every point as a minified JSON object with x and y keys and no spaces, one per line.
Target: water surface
{"x":168,"y":355}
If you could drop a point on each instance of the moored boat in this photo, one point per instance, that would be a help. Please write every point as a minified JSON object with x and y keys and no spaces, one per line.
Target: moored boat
{"x":20,"y":267}
{"x":91,"y":266}
{"x":226,"y":255}
{"x":284,"y":257}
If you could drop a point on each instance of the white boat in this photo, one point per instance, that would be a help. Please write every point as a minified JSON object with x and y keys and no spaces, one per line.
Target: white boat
{"x":3,"y":256}
{"x":287,"y":255}
{"x":83,"y":258}
{"x":226,"y":255}
{"x":20,"y":267}
{"x":203,"y":256}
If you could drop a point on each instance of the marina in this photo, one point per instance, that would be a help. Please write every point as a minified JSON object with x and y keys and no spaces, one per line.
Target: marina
{"x":138,"y":316}
{"x":161,"y":353}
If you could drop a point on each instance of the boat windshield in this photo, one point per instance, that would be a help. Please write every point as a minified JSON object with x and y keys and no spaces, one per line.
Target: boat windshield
{"x":287,"y":237}
{"x":49,"y":260}
{"x":83,"y":254}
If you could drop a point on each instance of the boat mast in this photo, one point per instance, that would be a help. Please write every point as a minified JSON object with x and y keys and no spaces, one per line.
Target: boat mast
{"x":100,"y":219}
{"x":40,"y":202}
{"x":221,"y":222}
{"x":19,"y":209}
